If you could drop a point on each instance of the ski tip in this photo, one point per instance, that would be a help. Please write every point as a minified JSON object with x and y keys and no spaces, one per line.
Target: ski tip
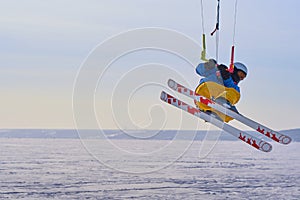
{"x":285,"y":139}
{"x":171,"y":83}
{"x":163,"y":95}
{"x":266,"y":147}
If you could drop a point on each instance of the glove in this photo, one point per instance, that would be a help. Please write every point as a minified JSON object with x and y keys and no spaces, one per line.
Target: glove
{"x":224,"y":72}
{"x":210,"y":64}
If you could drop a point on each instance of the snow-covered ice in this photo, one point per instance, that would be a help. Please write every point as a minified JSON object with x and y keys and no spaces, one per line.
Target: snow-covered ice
{"x":63,"y":169}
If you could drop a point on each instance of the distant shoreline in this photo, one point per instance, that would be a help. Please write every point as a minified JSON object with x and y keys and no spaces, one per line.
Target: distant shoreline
{"x":128,"y":134}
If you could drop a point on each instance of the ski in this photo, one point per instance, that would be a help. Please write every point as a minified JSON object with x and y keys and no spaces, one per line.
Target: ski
{"x":276,"y":136}
{"x":245,"y":137}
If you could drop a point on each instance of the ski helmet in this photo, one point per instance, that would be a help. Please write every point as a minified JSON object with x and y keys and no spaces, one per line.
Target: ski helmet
{"x":241,"y":66}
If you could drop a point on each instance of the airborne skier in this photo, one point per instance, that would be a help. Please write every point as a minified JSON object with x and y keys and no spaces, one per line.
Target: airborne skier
{"x":217,"y":94}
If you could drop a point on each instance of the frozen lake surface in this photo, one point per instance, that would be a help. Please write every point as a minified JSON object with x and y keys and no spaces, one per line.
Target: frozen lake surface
{"x":147,"y":169}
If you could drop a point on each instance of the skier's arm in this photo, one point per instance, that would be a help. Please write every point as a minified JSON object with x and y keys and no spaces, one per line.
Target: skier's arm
{"x":206,"y":69}
{"x":230,"y":84}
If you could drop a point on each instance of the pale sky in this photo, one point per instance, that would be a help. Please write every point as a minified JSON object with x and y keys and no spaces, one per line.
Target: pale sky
{"x":46,"y":44}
